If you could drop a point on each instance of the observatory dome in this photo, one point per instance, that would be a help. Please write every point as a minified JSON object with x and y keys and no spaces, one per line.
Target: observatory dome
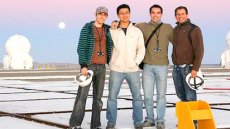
{"x":228,"y":40}
{"x":17,"y":44}
{"x":17,"y":53}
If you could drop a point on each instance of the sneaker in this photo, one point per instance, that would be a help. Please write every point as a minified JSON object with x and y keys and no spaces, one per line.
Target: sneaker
{"x":160,"y":125}
{"x":138,"y":126}
{"x":110,"y":126}
{"x":148,"y":124}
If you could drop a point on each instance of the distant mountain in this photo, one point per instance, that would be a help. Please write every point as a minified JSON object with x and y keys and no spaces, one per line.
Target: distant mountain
{"x":51,"y":65}
{"x":38,"y":65}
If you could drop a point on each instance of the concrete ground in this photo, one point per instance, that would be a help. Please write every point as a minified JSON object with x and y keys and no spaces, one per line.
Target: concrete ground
{"x":43,"y":99}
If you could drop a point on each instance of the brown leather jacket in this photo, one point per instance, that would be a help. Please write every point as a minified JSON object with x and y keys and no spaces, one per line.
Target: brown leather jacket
{"x":184,"y":51}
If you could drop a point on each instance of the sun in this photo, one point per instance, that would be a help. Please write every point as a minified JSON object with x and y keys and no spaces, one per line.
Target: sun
{"x":61,"y":25}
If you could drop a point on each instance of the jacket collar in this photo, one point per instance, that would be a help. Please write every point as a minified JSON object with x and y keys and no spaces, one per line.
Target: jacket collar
{"x":187,"y":22}
{"x":130,"y":24}
{"x":91,"y":25}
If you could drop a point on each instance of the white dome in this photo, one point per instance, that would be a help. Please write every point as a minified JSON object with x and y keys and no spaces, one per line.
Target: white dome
{"x":6,"y":62}
{"x":17,"y":44}
{"x":228,"y":40}
{"x":17,"y":48}
{"x":21,"y":61}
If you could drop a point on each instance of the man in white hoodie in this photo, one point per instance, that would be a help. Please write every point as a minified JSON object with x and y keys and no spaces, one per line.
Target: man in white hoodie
{"x":128,"y":52}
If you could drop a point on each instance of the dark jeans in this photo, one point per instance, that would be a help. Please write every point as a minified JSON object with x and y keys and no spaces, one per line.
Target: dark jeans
{"x":79,"y":105}
{"x":183,"y":91}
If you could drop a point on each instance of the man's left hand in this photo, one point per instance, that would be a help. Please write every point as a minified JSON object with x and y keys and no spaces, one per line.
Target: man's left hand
{"x":194,"y":73}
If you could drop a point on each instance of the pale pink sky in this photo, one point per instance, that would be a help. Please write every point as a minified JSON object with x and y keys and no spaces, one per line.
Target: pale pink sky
{"x":84,"y":8}
{"x":35,"y":18}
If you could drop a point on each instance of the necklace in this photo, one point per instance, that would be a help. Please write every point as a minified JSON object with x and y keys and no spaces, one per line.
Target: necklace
{"x":100,"y":53}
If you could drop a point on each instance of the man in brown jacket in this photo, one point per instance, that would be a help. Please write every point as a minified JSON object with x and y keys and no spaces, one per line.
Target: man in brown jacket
{"x":187,"y":53}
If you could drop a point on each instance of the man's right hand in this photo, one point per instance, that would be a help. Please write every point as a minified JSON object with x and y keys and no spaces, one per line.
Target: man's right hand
{"x":84,"y":71}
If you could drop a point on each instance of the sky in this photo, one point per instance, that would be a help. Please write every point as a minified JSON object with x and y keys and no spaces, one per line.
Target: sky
{"x":38,"y":21}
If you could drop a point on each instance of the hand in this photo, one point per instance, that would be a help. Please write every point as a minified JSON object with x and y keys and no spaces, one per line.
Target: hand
{"x":194,"y":73}
{"x":84,"y":71}
{"x":114,"y":25}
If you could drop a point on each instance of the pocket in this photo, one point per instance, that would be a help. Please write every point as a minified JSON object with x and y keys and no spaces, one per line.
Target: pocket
{"x":115,"y":60}
{"x":131,"y":64}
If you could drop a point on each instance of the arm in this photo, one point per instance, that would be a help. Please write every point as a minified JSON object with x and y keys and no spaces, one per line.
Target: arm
{"x":170,"y":33}
{"x":109,"y":45}
{"x":198,"y":48}
{"x":81,"y":49}
{"x":140,"y":48}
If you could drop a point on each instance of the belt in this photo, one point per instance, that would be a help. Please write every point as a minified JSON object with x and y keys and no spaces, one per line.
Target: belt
{"x":183,"y":65}
{"x":97,"y":64}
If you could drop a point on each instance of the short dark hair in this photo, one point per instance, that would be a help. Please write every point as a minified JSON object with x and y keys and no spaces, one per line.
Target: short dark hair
{"x":122,"y":6}
{"x":155,"y":6}
{"x":181,"y":7}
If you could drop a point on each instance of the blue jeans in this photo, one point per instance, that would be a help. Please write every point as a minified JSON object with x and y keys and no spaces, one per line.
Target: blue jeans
{"x":184,"y":93}
{"x":82,"y":94}
{"x":115,"y":82}
{"x":155,"y":74}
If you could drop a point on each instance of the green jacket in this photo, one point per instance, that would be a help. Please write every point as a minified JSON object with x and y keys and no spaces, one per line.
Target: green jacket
{"x":165,"y":34}
{"x":86,"y":44}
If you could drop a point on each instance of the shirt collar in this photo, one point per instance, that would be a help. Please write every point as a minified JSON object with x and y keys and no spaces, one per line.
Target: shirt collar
{"x":154,"y":23}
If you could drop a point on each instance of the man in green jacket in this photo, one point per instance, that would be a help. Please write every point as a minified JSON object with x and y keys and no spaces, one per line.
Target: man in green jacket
{"x":94,"y":50}
{"x":155,"y":69}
